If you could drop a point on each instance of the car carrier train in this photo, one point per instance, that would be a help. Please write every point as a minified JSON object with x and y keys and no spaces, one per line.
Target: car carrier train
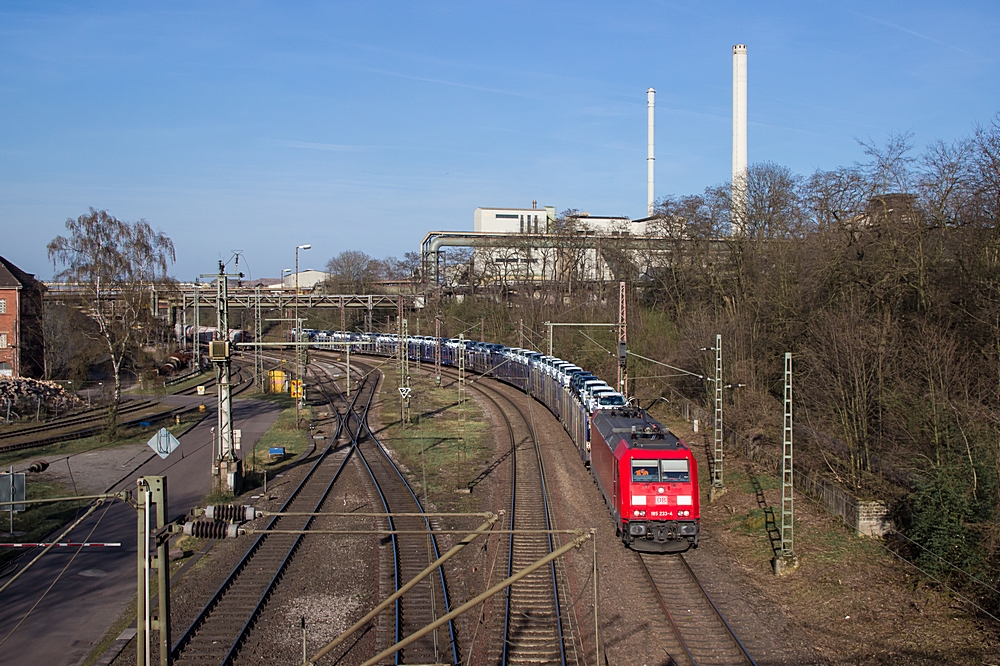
{"x":648,"y":477}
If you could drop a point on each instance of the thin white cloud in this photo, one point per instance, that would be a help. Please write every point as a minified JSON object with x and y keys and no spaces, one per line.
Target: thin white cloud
{"x":312,"y":145}
{"x":914,"y":33}
{"x":454,"y":84}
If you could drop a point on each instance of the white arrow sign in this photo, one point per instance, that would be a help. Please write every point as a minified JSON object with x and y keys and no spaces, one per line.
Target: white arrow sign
{"x":405,"y":392}
{"x":163,"y":443}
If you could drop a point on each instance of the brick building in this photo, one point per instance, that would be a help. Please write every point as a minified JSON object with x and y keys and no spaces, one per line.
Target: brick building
{"x":22,"y":341}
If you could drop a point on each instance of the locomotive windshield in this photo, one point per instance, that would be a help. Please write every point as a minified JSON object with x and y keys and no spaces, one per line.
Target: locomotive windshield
{"x":675,"y":470}
{"x":645,"y":471}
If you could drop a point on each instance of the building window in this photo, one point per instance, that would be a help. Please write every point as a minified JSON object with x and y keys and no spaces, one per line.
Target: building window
{"x":522,"y":224}
{"x":3,"y":341}
{"x":506,"y":216}
{"x":3,"y":306}
{"x":6,"y":370}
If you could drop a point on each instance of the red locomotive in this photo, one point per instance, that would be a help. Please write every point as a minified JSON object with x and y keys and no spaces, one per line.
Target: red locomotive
{"x":649,"y":478}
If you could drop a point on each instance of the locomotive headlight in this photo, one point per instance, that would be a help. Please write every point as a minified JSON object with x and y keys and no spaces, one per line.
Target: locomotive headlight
{"x":660,"y":490}
{"x":635,"y":513}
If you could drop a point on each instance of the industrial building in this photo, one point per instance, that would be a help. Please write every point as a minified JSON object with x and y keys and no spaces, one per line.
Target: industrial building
{"x":535,"y":245}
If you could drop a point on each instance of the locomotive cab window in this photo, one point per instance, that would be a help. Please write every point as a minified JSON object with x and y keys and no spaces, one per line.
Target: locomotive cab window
{"x":645,"y":471}
{"x":675,"y":470}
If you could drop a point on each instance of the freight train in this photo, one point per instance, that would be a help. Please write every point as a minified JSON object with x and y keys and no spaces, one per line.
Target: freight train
{"x":208,"y":333}
{"x":647,"y":475}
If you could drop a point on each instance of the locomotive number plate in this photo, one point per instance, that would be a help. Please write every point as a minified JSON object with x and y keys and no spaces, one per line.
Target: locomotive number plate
{"x":661,"y":499}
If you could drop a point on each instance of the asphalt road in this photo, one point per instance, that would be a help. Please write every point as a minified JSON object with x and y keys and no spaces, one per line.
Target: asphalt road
{"x":59,"y":626}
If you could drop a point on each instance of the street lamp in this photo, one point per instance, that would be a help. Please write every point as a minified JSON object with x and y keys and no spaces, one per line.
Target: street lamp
{"x":298,"y":328}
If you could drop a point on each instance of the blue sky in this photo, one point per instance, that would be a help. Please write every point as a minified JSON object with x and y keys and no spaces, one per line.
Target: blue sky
{"x":362,"y":125}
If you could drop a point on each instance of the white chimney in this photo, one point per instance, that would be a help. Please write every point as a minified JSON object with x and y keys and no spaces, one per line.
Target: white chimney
{"x":650,"y":159}
{"x":739,"y":137}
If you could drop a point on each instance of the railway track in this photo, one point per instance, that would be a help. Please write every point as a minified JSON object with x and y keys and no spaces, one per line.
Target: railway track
{"x":217,"y":633}
{"x":411,"y":553}
{"x":85,"y":417}
{"x":94,"y":420}
{"x":81,"y":429}
{"x":535,"y":629}
{"x":240,"y":381}
{"x":705,"y":637}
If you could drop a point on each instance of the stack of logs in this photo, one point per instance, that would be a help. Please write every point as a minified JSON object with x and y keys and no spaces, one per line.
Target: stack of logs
{"x":27,"y":398}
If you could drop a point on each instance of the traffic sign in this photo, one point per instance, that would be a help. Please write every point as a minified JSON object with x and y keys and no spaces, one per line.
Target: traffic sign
{"x":296,"y":388}
{"x":12,"y":490}
{"x":405,"y":392}
{"x":163,"y":443}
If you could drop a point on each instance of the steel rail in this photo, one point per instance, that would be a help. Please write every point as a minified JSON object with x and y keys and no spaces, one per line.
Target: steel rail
{"x":666,"y":611}
{"x":554,"y":576}
{"x":363,"y":425}
{"x":180,"y":645}
{"x":484,"y":390}
{"x":433,"y":540}
{"x":245,"y":629}
{"x":732,"y":634}
{"x":505,"y":655}
{"x":87,"y":416}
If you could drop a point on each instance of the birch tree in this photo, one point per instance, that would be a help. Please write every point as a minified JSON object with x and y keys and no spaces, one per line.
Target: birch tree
{"x":114,"y":265}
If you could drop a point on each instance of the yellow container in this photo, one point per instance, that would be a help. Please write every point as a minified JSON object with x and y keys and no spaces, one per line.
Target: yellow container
{"x":277,"y":381}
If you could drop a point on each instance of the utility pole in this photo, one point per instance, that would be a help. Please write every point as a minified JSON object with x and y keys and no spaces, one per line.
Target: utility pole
{"x":151,"y":498}
{"x":343,"y":316}
{"x":225,"y":467}
{"x":348,"y":369}
{"x":258,"y":352}
{"x":437,"y":351}
{"x":196,"y":337}
{"x":787,"y":561}
{"x":299,"y":350}
{"x":404,"y":373}
{"x":622,"y":342}
{"x":718,"y":488}
{"x":461,"y":391}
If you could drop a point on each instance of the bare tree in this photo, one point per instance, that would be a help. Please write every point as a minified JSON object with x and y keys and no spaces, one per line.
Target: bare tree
{"x":353,"y":272}
{"x":115,"y":264}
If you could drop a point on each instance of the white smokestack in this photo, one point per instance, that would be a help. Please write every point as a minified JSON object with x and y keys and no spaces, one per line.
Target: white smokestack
{"x":739,"y":137}
{"x":650,"y":159}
